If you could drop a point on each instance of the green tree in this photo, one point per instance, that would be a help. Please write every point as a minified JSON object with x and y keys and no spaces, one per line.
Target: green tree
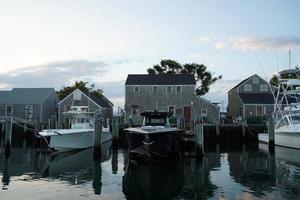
{"x":81,"y":85}
{"x":204,"y":79}
{"x":274,"y":80}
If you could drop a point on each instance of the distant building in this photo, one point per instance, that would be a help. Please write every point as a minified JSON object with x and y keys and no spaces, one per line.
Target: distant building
{"x":29,"y":104}
{"x":85,"y":98}
{"x":250,"y":98}
{"x":170,"y":92}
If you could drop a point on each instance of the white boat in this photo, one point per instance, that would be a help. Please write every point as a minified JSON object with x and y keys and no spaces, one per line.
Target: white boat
{"x":81,"y":134}
{"x":286,"y":110}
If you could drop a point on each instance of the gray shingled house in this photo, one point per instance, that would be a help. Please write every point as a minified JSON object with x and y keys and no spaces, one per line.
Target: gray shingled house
{"x":170,"y":92}
{"x":84,"y":98}
{"x":250,"y":98}
{"x":29,"y":104}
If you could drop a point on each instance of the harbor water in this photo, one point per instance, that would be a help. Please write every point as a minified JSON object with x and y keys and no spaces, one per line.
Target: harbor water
{"x":249,"y":172}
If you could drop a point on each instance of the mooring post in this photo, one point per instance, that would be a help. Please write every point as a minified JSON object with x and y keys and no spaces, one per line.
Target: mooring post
{"x":2,"y":132}
{"x":218,"y":132}
{"x":97,"y":136}
{"x":25,"y":134}
{"x":114,"y":161}
{"x":271,"y":132}
{"x":244,"y":130}
{"x":97,"y":176}
{"x":199,"y":138}
{"x":8,"y":133}
{"x":115,"y":131}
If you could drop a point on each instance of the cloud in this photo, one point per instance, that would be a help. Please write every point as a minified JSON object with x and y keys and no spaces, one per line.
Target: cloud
{"x":220,"y":45}
{"x":268,"y":42}
{"x":204,"y":39}
{"x":54,"y":74}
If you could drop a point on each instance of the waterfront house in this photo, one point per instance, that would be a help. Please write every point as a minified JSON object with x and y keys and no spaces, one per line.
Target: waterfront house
{"x":85,"y":98}
{"x":250,"y":98}
{"x":170,"y":92}
{"x":29,"y":105}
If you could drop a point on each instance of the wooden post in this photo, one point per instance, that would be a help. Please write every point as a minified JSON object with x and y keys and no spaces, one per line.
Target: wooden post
{"x":218,"y":132}
{"x":97,"y":136}
{"x":115,"y":132}
{"x":271,"y":132}
{"x":199,"y":179}
{"x":97,"y":176}
{"x":3,"y":133}
{"x":55,"y":122}
{"x":8,"y":133}
{"x":25,"y":134}
{"x":244,"y":129}
{"x":49,"y":124}
{"x":114,"y":161}
{"x":199,"y":139}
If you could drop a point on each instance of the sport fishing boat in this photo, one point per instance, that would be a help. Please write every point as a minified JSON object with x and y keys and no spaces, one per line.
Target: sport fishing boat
{"x":286,"y":110}
{"x":81,"y":134}
{"x":155,"y":139}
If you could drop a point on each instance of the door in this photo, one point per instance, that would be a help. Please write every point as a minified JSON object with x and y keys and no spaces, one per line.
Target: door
{"x":187,"y":115}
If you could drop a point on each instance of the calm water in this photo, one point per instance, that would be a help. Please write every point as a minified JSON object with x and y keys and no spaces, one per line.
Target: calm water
{"x":236,"y":174}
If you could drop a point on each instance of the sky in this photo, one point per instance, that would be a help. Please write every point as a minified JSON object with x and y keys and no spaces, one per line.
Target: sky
{"x":53,"y":43}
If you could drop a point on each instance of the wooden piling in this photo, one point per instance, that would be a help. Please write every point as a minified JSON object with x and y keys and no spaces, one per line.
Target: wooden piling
{"x":244,"y":130}
{"x":97,"y":177}
{"x":218,"y":132}
{"x":25,"y":134}
{"x":199,"y":139}
{"x":8,"y":133}
{"x":271,"y":133}
{"x":97,"y":136}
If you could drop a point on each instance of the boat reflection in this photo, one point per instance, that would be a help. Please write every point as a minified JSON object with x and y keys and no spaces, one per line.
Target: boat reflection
{"x":74,"y":167}
{"x":152,"y":180}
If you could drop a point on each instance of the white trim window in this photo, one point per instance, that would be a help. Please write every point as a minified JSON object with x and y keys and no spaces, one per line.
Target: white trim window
{"x":169,"y":89}
{"x":9,"y":110}
{"x":248,"y":87}
{"x":29,"y":112}
{"x":178,"y":89}
{"x":204,"y":112}
{"x":255,"y":80}
{"x":264,"y":87}
{"x":136,"y":89}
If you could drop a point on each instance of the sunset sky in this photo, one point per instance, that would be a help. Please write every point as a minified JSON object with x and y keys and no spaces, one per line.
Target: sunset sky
{"x":52,"y":43}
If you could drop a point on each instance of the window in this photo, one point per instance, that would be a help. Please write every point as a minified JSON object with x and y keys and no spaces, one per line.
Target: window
{"x":204,"y":112}
{"x":259,"y":111}
{"x":178,"y":89}
{"x":264,"y":87}
{"x":169,"y":89}
{"x":248,"y":87}
{"x":28,"y":112}
{"x":154,"y":89}
{"x":136,"y":89}
{"x":171,"y":109}
{"x":67,"y":108}
{"x":134,"y":109}
{"x":255,"y":80}
{"x":9,"y":109}
{"x":178,"y":111}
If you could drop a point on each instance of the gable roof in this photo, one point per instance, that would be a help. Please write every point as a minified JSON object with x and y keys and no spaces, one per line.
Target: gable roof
{"x":160,"y":79}
{"x":242,"y":82}
{"x":25,"y":95}
{"x":257,"y":98}
{"x":100,"y":101}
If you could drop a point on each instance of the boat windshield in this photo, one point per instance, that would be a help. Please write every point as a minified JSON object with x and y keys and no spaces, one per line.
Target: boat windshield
{"x":81,"y":120}
{"x":157,"y":121}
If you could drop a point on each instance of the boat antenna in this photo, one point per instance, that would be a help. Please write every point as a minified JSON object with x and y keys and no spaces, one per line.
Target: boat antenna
{"x":289,"y":58}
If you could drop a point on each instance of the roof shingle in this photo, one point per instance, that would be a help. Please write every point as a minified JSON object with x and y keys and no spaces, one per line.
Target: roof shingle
{"x":160,"y":79}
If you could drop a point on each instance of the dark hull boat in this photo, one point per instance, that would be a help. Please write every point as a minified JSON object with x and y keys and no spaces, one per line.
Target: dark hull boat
{"x":155,"y":140}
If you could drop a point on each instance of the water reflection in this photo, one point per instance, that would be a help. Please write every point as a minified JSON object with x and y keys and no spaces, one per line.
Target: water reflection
{"x":152,"y":180}
{"x":222,"y":174}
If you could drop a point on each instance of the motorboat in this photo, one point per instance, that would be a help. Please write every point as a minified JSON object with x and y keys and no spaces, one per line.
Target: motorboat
{"x":155,"y":139}
{"x":286,"y":110}
{"x":79,"y":136}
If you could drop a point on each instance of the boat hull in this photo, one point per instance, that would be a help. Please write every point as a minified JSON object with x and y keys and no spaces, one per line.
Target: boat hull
{"x":78,"y":140}
{"x":285,"y":139}
{"x":156,"y":146}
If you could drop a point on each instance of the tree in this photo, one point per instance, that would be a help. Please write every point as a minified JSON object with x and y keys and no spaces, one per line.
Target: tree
{"x":274,"y":80}
{"x":81,"y":85}
{"x":204,"y":79}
